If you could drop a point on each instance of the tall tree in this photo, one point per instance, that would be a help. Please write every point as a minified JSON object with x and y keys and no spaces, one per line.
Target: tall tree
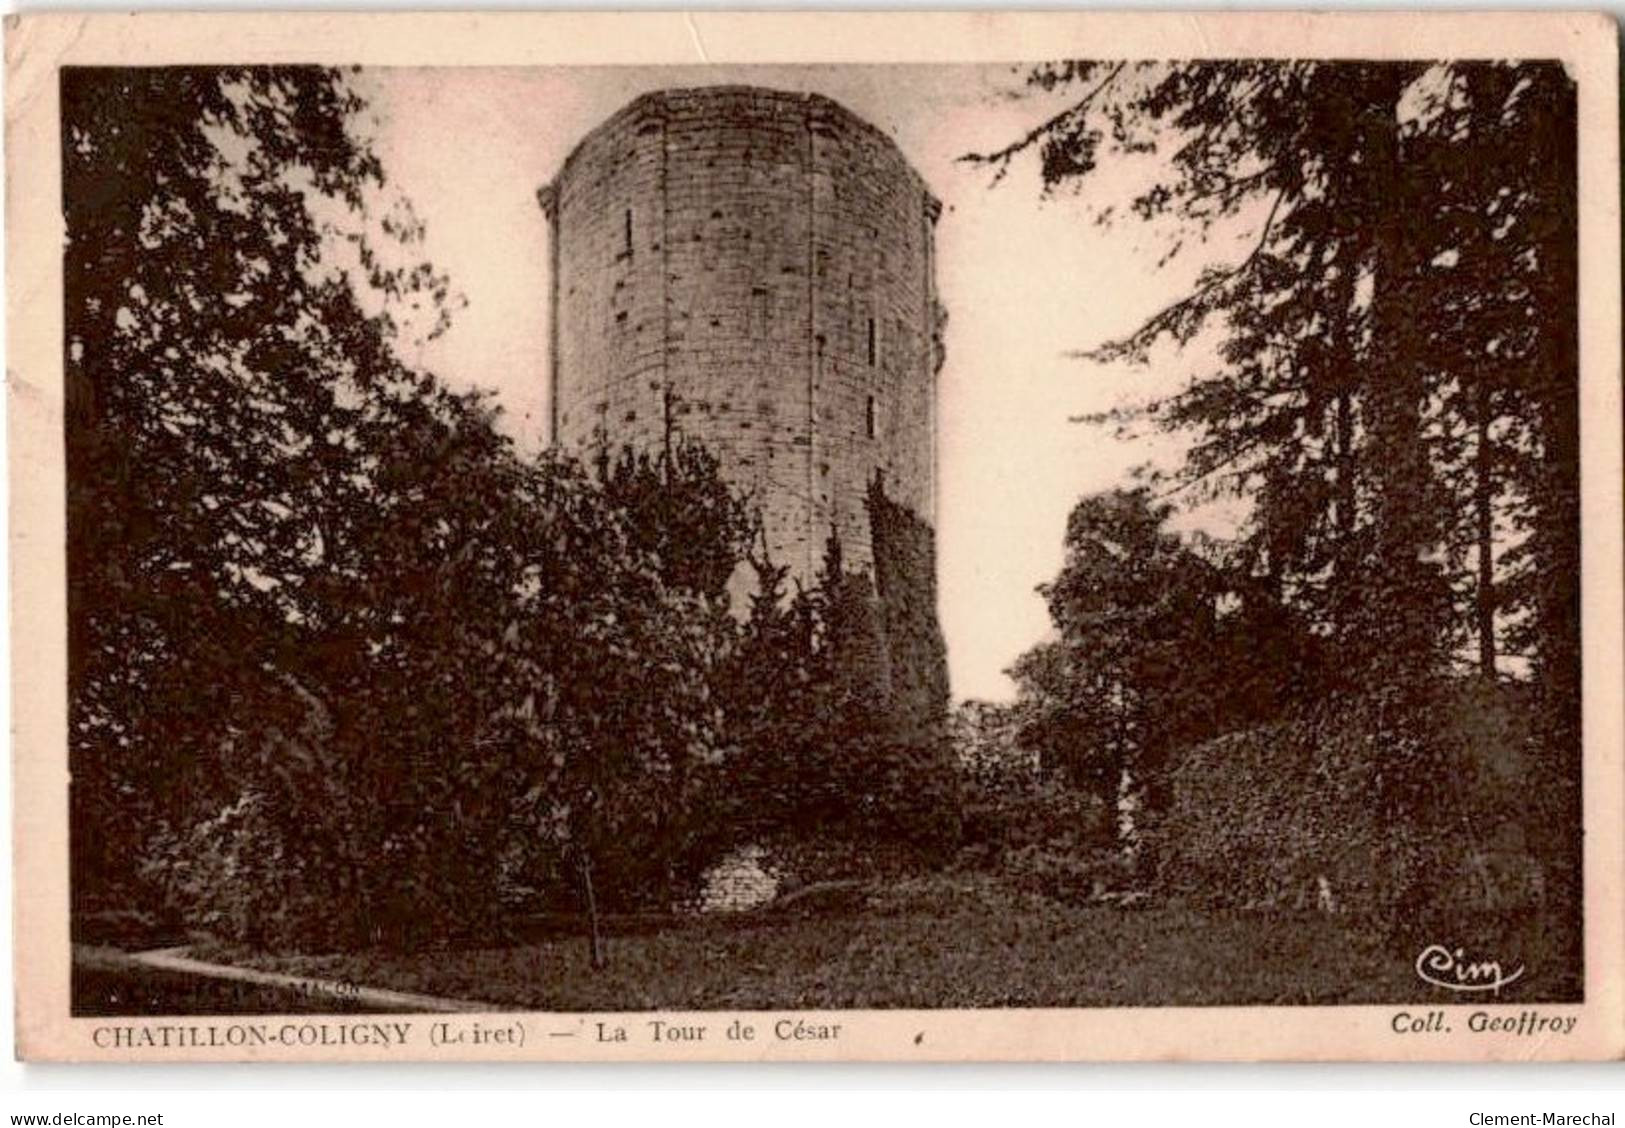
{"x":1507,"y":349}
{"x":229,"y":405}
{"x":1324,"y":405}
{"x":1124,"y":682}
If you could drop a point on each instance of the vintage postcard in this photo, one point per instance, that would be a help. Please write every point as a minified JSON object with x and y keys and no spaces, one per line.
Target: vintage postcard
{"x":816,"y":536}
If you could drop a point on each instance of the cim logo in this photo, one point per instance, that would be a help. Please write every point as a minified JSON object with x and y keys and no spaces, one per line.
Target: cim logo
{"x":1452,"y":971}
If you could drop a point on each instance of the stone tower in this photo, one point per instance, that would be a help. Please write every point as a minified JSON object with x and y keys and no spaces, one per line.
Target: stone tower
{"x":753,"y":269}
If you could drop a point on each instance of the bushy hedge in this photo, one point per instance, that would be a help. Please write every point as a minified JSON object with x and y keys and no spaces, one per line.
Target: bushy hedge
{"x":1045,"y":835}
{"x":1042,"y":811}
{"x":1391,"y":805}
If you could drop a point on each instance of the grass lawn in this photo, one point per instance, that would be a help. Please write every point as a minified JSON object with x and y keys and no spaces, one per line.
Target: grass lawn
{"x":952,"y":956}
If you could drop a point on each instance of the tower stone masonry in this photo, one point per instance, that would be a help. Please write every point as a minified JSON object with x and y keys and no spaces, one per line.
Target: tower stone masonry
{"x":753,"y":270}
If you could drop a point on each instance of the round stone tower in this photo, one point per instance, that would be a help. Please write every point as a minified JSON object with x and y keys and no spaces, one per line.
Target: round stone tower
{"x":753,"y":269}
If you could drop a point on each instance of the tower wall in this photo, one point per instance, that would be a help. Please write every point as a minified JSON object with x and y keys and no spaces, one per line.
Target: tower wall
{"x":752,"y":269}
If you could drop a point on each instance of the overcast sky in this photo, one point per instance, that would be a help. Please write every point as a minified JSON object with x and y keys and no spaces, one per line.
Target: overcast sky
{"x":1024,"y":280}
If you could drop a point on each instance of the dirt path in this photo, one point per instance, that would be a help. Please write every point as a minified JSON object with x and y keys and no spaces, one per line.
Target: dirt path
{"x":176,"y":960}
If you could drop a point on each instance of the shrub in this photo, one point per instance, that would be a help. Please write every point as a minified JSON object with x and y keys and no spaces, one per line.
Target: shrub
{"x":1397,"y":804}
{"x":1039,"y":811}
{"x":235,"y":875}
{"x":1049,"y":837}
{"x":908,"y":794}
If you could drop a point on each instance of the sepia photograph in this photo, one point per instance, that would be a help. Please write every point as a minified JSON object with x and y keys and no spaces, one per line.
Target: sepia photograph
{"x":1065,"y":532}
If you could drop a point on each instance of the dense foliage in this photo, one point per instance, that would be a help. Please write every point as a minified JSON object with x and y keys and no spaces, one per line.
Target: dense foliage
{"x":1156,"y":647}
{"x":824,"y":747}
{"x":1355,"y":806}
{"x":1393,"y":382}
{"x":1387,"y":379}
{"x":345,"y":665}
{"x":235,"y":420}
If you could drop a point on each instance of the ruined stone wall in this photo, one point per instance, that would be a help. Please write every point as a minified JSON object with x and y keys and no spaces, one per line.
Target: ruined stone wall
{"x":752,"y":269}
